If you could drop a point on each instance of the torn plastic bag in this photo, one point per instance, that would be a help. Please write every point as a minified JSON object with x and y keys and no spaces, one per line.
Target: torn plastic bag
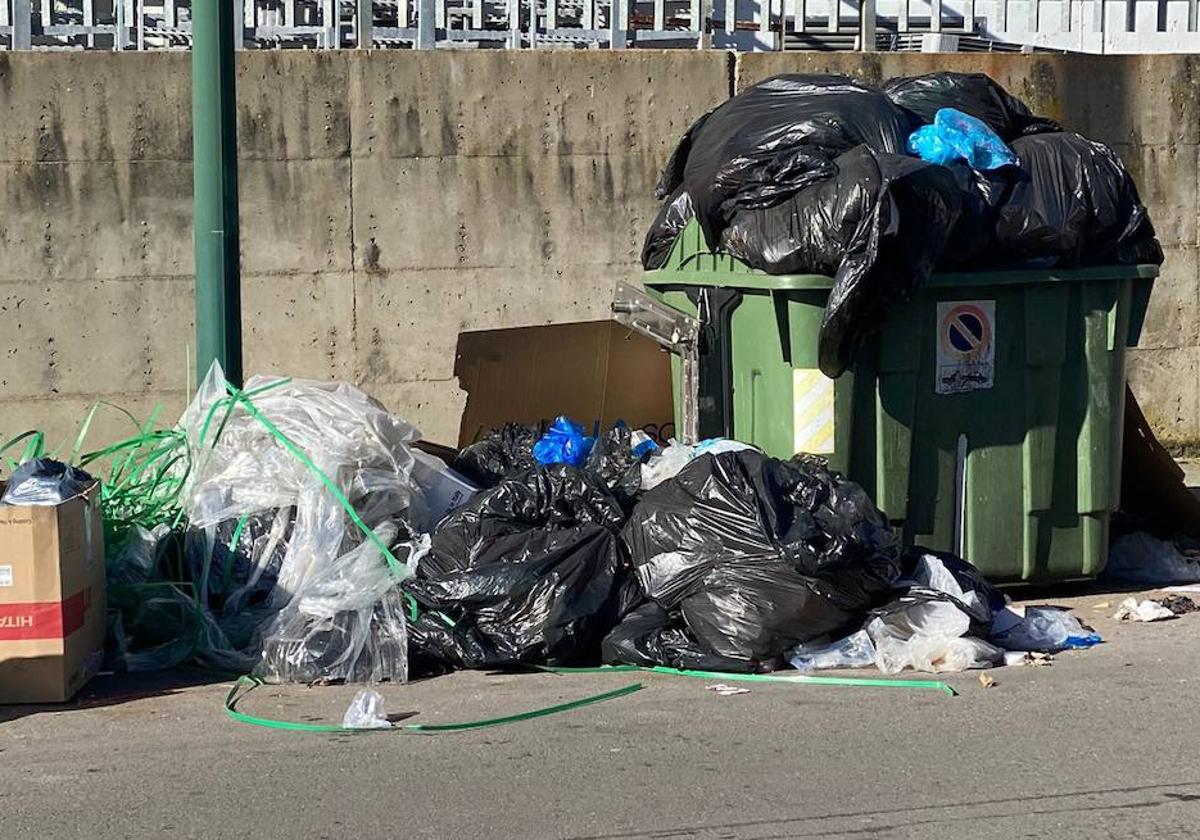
{"x":563,"y":443}
{"x":347,"y":623}
{"x":972,"y":93}
{"x":955,"y":136}
{"x":673,"y":216}
{"x":854,"y":651}
{"x":932,"y":640}
{"x":773,"y":139}
{"x":1044,"y":629}
{"x":528,"y":571}
{"x":45,"y":481}
{"x":366,"y":711}
{"x":878,"y":225}
{"x":759,"y":555}
{"x":615,"y":462}
{"x":499,"y":454}
{"x":1072,"y":204}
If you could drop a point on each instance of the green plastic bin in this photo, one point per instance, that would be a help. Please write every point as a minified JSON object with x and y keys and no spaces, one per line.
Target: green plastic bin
{"x":986,"y":414}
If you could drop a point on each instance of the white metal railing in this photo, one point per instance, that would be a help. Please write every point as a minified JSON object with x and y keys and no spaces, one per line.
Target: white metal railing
{"x":1095,"y":26}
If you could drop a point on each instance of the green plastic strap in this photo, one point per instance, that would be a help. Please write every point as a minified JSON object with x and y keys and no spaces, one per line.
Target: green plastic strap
{"x":227,"y":566}
{"x":794,"y":679}
{"x":235,"y":694}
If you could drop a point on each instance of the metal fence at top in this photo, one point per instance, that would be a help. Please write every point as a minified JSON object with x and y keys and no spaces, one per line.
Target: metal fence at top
{"x":338,"y":24}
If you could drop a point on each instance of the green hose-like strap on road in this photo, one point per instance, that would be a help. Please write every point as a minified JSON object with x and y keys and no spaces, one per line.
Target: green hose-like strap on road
{"x":792,"y":679}
{"x":236,"y":694}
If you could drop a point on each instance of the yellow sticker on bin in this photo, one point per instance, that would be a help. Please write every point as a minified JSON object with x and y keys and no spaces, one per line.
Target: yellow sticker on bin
{"x":812,"y":412}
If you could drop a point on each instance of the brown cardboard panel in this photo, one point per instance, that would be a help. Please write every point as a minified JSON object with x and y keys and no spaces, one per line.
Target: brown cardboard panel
{"x":593,"y":371}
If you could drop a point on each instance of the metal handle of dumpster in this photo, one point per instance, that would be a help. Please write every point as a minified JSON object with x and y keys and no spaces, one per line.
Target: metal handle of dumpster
{"x":676,"y":331}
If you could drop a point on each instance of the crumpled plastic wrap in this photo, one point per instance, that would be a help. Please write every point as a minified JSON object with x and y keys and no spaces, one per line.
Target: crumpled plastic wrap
{"x":273,"y":466}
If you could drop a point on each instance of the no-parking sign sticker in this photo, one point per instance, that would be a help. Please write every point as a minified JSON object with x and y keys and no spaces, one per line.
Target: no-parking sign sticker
{"x":966,"y":346}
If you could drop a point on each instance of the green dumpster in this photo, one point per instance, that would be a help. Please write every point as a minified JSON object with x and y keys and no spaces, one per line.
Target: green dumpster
{"x":985,"y":416}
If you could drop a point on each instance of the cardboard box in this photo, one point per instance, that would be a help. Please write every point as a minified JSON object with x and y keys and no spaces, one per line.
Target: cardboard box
{"x":52,"y":607}
{"x":592,"y":371}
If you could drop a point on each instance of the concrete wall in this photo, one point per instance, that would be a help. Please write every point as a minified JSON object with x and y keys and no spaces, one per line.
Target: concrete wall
{"x":391,"y":200}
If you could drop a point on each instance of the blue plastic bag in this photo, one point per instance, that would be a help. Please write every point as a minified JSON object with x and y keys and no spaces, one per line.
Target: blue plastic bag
{"x":563,"y":443}
{"x":958,"y":136}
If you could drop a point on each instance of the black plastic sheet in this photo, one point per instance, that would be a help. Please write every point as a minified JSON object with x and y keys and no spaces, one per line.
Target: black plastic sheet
{"x":972,"y":93}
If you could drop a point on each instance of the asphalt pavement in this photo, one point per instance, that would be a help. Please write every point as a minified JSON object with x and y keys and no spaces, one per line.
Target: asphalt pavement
{"x":1101,"y":744}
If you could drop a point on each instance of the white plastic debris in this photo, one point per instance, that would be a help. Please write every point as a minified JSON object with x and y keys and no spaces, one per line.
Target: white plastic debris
{"x":1142,"y":558}
{"x":929,"y":636}
{"x":727,"y":690}
{"x":1131,"y":610}
{"x":667,"y":463}
{"x":854,"y":651}
{"x":1047,"y":629}
{"x":366,"y":711}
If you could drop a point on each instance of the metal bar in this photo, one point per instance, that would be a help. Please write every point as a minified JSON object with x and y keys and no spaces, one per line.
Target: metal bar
{"x":835,"y":15}
{"x":1002,"y":15}
{"x":969,"y":15}
{"x":237,"y":24}
{"x":588,"y":19}
{"x":121,"y":20}
{"x":22,"y":25}
{"x":89,"y":18}
{"x":289,"y":13}
{"x":364,"y":24}
{"x":514,"y":24}
{"x":426,"y":28}
{"x":802,"y":14}
{"x":331,"y":24}
{"x":45,"y":14}
{"x":439,"y":13}
{"x":215,"y":191}
{"x":694,"y":14}
{"x":660,"y":14}
{"x":866,"y":26}
{"x":704,"y":25}
{"x":532,"y":23}
{"x":902,"y":16}
{"x":552,"y":14}
{"x":764,"y":15}
{"x":170,"y":14}
{"x":1035,"y":14}
{"x":617,"y":17}
{"x":1193,"y":8}
{"x":140,"y":8}
{"x":730,"y":15}
{"x":477,"y":14}
{"x":1064,"y":17}
{"x":960,"y":498}
{"x":403,"y":20}
{"x":935,"y":15}
{"x":1130,"y":15}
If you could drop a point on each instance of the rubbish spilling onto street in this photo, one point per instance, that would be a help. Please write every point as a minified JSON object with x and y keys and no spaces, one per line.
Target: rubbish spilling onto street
{"x":296,"y":532}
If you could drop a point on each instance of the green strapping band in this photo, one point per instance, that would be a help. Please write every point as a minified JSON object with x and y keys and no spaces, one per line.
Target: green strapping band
{"x":793,"y":679}
{"x":235,"y":694}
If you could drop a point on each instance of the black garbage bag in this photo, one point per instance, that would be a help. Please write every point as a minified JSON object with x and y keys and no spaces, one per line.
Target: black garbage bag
{"x":45,"y":481}
{"x":672,"y":218}
{"x":972,"y":93}
{"x":879,"y":225}
{"x":528,"y":571}
{"x":649,"y":635}
{"x":499,"y":453}
{"x":770,"y":141}
{"x":613,"y":463}
{"x":1072,"y":204}
{"x":755,"y":555}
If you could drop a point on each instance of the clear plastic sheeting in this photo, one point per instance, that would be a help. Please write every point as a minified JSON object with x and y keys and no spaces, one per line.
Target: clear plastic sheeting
{"x":667,"y":463}
{"x":45,"y":481}
{"x":854,"y":651}
{"x":929,"y":636}
{"x":1042,"y":629}
{"x":302,"y":507}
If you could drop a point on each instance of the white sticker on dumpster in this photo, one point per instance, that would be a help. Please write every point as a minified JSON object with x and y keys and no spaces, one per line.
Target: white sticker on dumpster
{"x":812,"y":412}
{"x":966,"y":346}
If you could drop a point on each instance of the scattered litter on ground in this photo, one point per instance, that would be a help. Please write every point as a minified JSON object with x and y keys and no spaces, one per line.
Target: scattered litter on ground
{"x":1047,"y":629}
{"x":1131,"y":610}
{"x":366,"y":711}
{"x":986,"y":681}
{"x":854,"y":651}
{"x":1178,"y":604}
{"x":727,"y":690}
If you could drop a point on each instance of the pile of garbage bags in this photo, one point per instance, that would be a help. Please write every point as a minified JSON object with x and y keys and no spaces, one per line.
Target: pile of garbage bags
{"x":880,"y":187}
{"x":721,"y":558}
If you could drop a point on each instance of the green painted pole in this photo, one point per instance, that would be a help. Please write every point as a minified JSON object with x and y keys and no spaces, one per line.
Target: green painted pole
{"x":214,"y":178}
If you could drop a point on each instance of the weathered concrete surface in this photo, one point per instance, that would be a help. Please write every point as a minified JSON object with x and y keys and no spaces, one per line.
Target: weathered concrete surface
{"x":390,"y":200}
{"x":1095,"y":746}
{"x":1148,"y":109}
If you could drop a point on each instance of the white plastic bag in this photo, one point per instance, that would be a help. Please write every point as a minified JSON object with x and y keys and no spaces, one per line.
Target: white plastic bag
{"x":366,"y":711}
{"x":667,"y":463}
{"x":929,"y":636}
{"x":1131,"y":610}
{"x":1142,"y":558}
{"x":854,"y":651}
{"x":1044,"y":629}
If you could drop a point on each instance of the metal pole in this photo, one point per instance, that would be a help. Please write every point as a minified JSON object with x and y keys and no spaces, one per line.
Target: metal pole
{"x":214,"y":178}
